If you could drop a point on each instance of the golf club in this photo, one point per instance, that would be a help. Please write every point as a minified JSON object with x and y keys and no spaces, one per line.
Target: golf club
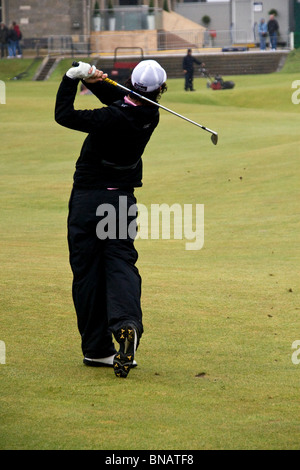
{"x":214,"y":136}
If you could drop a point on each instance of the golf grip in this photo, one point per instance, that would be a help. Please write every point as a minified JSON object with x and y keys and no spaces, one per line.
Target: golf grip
{"x":214,"y":137}
{"x":108,"y":80}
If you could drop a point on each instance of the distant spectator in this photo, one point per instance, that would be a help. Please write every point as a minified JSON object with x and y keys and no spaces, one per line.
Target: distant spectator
{"x":188,"y":70}
{"x":3,"y":40}
{"x":273,"y":29}
{"x":12,"y":42}
{"x":19,"y":34}
{"x":263,"y":32}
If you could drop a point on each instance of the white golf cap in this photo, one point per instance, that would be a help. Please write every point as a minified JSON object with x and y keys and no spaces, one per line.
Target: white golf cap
{"x":148,"y":75}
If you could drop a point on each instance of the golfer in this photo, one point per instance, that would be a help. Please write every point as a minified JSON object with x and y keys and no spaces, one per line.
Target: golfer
{"x":106,"y":282}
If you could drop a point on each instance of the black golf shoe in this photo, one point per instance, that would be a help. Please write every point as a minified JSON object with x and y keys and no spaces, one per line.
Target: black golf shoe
{"x":127,"y":337}
{"x":102,"y":362}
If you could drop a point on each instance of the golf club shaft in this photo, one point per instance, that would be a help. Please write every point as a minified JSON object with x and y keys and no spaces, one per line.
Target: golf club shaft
{"x":112,"y":82}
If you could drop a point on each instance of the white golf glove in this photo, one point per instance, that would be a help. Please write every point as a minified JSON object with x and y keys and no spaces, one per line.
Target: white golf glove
{"x":82,"y":71}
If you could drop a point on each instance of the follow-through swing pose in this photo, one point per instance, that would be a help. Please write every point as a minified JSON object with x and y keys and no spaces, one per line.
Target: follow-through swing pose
{"x":106,"y":282}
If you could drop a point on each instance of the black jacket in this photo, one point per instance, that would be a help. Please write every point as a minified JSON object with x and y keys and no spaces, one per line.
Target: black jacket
{"x":3,"y":35}
{"x":12,"y":35}
{"x":117,"y":135}
{"x":188,"y":63}
{"x":273,"y":26}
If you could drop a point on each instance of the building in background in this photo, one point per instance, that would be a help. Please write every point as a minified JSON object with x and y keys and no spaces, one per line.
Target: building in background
{"x":38,"y":19}
{"x":236,"y":21}
{"x":67,"y":17}
{"x":227,"y":21}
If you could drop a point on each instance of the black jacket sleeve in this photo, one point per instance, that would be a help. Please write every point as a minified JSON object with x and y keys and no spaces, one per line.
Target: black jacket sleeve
{"x":80,"y":120}
{"x":197,"y":61}
{"x":105,"y":92}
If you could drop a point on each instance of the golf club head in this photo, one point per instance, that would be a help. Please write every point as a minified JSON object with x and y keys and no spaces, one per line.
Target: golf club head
{"x":214,"y":139}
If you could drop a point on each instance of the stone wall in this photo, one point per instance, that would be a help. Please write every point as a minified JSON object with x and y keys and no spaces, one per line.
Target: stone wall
{"x":38,"y":18}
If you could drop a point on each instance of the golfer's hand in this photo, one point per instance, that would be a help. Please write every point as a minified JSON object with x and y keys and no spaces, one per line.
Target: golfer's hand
{"x":98,"y":76}
{"x":83,"y":70}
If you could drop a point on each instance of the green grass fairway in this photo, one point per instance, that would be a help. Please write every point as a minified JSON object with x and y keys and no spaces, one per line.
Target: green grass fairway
{"x":24,"y":69}
{"x":215,"y":366}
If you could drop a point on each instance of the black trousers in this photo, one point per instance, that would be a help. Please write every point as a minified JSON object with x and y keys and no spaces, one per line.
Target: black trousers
{"x":189,"y":77}
{"x":3,"y":48}
{"x":106,"y":283}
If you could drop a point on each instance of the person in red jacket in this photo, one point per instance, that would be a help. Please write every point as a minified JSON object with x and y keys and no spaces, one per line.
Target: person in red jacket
{"x":19,"y":37}
{"x":106,"y":281}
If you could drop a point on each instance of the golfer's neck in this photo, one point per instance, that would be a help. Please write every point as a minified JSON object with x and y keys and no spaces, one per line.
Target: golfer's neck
{"x":131,"y":100}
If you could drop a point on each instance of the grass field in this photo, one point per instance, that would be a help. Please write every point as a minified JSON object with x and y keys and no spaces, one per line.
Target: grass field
{"x":215,"y":366}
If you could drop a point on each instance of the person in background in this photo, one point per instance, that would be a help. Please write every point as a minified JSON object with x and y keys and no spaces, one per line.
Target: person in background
{"x":19,"y":37}
{"x":188,"y":70}
{"x":3,"y":40}
{"x":273,"y":29}
{"x":263,"y":32}
{"x":12,"y":42}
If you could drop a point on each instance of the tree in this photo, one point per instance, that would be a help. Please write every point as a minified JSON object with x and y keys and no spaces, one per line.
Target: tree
{"x":110,"y":8}
{"x":151,"y":7}
{"x":205,"y":20}
{"x":96,"y":9}
{"x":273,"y":11}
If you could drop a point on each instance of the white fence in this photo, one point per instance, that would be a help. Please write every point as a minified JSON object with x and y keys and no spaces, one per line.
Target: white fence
{"x":175,"y":40}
